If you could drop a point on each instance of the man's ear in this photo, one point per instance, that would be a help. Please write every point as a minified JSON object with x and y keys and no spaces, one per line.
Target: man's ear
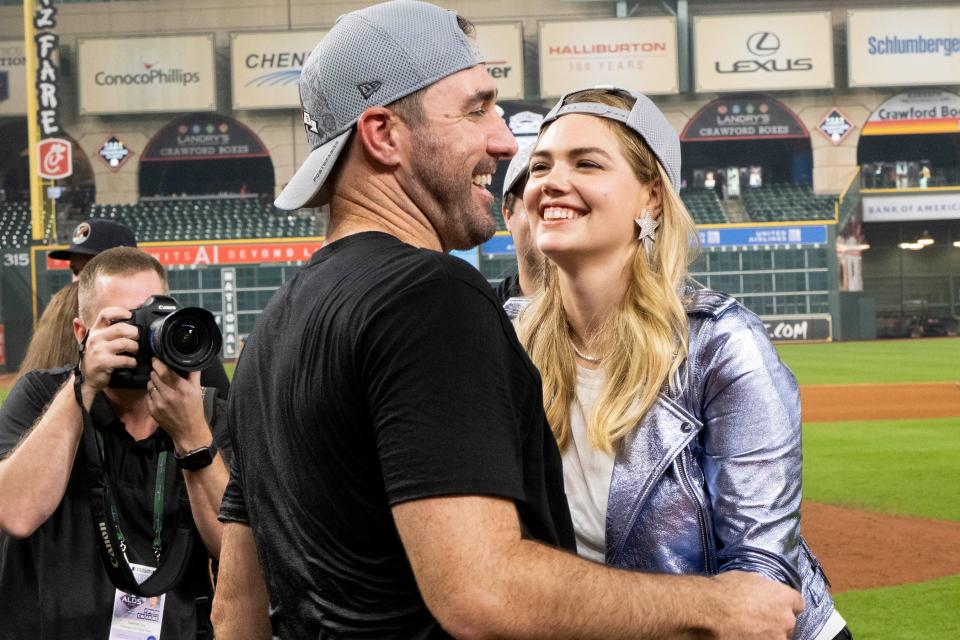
{"x":379,"y":132}
{"x":79,"y":331}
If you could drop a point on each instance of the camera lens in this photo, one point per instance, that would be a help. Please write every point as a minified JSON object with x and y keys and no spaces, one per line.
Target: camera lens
{"x":188,"y":339}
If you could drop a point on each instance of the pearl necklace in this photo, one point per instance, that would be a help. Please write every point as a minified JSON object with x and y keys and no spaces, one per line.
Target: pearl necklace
{"x":590,"y":359}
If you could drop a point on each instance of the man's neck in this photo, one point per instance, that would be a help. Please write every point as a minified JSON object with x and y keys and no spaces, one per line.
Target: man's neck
{"x":369,"y":201}
{"x":130,"y":407}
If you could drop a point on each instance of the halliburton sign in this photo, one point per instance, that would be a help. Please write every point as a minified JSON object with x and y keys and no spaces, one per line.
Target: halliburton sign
{"x":638,"y":53}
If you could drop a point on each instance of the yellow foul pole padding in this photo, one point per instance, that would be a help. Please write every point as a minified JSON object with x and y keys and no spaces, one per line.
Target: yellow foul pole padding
{"x":33,"y":131}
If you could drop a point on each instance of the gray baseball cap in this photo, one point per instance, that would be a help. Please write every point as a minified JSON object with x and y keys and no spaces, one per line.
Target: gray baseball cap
{"x":371,"y":57}
{"x":518,"y":167}
{"x":644,"y":118}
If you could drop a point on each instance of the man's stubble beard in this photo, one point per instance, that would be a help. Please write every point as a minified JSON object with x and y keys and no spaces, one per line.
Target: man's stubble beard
{"x":460,"y":222}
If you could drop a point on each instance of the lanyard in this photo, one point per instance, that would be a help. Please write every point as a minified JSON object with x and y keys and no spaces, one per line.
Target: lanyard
{"x":109,"y":538}
{"x":158,"y":490}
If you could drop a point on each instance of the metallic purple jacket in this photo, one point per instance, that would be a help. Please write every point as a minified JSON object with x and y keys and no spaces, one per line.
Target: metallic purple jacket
{"x":709,"y":480}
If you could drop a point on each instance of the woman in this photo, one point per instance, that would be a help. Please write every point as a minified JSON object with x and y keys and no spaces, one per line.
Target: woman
{"x":53,"y":343}
{"x":679,"y":425}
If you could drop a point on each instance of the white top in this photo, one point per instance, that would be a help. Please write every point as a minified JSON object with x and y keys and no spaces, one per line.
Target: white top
{"x":587,"y":471}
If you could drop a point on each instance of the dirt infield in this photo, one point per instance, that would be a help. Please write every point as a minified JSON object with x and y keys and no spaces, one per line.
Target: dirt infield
{"x":831,"y":402}
{"x":863,"y":549}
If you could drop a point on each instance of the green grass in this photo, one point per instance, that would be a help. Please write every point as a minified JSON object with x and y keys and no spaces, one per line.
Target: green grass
{"x":3,"y":394}
{"x":909,"y":467}
{"x":923,"y":611}
{"x":230,"y":368}
{"x":927,"y":360}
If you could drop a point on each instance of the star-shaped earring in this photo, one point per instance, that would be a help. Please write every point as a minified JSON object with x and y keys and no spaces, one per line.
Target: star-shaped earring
{"x":648,"y":230}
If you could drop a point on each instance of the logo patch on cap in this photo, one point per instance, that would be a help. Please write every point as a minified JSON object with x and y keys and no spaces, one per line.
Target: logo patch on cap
{"x":81,"y":233}
{"x":309,"y":123}
{"x":367,"y":89}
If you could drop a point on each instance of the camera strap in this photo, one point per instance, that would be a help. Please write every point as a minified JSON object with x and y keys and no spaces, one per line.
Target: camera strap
{"x":106,"y":518}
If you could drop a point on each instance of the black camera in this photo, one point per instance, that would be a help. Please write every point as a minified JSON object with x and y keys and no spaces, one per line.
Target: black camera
{"x":184,"y":338}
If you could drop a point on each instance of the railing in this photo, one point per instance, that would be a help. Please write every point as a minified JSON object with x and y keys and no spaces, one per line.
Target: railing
{"x":907,"y":175}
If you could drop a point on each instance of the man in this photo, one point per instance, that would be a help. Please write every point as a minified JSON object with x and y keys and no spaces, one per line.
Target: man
{"x":53,"y":583}
{"x":90,"y":237}
{"x":95,"y":235}
{"x":529,"y":276}
{"x":393,"y":460}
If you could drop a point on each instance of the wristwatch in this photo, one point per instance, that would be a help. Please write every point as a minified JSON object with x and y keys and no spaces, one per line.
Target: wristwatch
{"x":198,"y":458}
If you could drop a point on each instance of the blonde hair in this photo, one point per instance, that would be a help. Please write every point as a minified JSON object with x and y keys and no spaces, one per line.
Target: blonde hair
{"x":645,"y":340}
{"x":53,"y":343}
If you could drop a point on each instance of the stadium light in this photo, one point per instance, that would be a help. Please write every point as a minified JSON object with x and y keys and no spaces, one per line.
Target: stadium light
{"x":925,"y":239}
{"x":912,"y":246}
{"x":957,"y":244}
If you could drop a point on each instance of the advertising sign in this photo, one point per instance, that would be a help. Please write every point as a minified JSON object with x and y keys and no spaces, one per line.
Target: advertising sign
{"x":502,"y":48}
{"x":763,"y":52}
{"x":54,"y":159}
{"x":898,"y":47}
{"x":627,"y":52}
{"x":743,"y":118}
{"x":770,"y":236}
{"x":203,"y":136}
{"x":146,"y":75}
{"x":228,"y":319}
{"x":220,"y":253}
{"x":928,"y":206}
{"x":265,"y":67}
{"x":13,"y":85}
{"x":798,"y":327}
{"x":916,"y":112}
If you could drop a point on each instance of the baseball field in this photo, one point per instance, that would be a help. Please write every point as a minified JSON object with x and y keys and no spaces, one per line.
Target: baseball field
{"x":881,"y":444}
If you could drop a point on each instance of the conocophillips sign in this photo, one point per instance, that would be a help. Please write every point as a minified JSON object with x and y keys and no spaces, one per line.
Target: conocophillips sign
{"x":265,"y":67}
{"x":903,"y":47}
{"x":763,"y":51}
{"x":146,"y":75}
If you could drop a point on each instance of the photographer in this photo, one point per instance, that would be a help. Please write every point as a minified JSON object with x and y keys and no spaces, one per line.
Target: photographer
{"x":53,"y":583}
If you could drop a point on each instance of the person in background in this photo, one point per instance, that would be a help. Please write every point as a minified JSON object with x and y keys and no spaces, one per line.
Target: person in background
{"x":678,"y":424}
{"x":529,"y":276}
{"x":89,"y":238}
{"x":53,"y":343}
{"x":95,"y":235}
{"x":155,"y":444}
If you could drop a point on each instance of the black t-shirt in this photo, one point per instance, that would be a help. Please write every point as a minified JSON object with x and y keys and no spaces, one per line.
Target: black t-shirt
{"x":381,"y":373}
{"x":53,"y":584}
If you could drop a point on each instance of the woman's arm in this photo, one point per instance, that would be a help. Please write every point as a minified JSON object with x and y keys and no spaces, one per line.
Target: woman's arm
{"x":752,"y":458}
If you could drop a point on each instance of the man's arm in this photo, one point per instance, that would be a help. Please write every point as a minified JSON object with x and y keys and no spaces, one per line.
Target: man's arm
{"x":480,"y":579}
{"x":33,"y":478}
{"x":177,"y":405}
{"x":241,"y":607}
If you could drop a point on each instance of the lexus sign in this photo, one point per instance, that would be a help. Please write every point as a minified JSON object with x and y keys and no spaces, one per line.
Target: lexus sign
{"x":763,"y":52}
